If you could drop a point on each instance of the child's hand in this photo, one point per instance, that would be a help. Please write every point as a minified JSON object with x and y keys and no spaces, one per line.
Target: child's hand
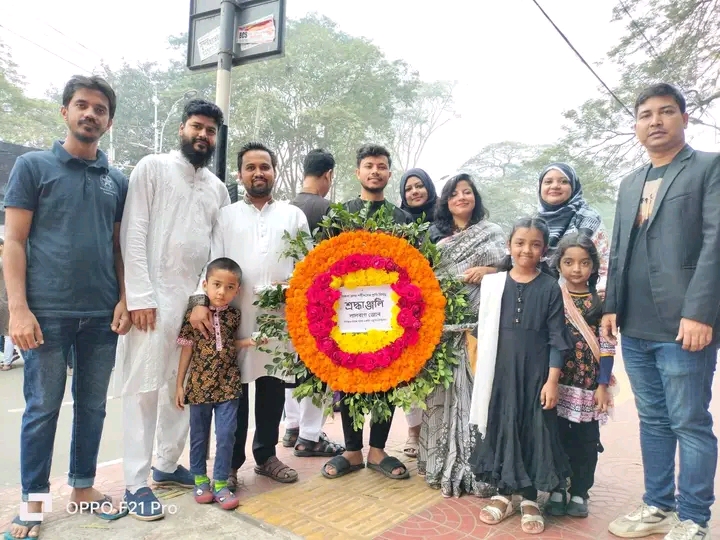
{"x":549,"y":395}
{"x":603,"y":399}
{"x":180,"y":398}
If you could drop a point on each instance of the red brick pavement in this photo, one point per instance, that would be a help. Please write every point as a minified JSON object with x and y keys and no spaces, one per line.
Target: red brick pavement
{"x":618,"y":489}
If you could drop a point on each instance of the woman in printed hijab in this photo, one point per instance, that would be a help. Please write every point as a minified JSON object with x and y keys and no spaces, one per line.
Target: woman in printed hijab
{"x":418,"y":195}
{"x":564,"y":208}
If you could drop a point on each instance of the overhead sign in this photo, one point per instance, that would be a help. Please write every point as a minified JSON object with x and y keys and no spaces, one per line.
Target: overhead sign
{"x":259,"y":32}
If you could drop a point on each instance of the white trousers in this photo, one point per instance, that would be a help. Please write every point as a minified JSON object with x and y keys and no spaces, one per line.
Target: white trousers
{"x":9,"y":351}
{"x":304,"y":415}
{"x":144,"y":416}
{"x":414,"y":417}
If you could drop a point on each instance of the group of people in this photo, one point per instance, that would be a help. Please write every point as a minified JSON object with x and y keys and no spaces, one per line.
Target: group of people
{"x":160,"y":273}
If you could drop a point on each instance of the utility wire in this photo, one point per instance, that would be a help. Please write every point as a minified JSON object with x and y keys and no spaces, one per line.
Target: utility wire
{"x":640,"y":31}
{"x":583,"y":59}
{"x":44,"y":49}
{"x":69,"y":38}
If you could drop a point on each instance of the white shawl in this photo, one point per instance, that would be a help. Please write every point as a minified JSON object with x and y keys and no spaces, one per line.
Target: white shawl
{"x":491,"y":294}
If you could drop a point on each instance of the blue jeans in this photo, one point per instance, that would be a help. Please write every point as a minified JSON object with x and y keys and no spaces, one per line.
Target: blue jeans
{"x":672,"y":390}
{"x":45,"y":376}
{"x":225,"y":424}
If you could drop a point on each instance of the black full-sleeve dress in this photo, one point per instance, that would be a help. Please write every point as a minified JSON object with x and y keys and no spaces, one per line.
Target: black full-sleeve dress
{"x":522,"y":446}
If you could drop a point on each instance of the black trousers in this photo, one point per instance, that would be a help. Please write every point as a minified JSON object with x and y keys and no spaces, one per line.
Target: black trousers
{"x":582,"y":446}
{"x":379,"y":432}
{"x":529,"y":493}
{"x":269,"y":405}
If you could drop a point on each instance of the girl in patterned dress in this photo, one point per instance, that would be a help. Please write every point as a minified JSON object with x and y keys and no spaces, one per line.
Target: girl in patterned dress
{"x":584,"y":397}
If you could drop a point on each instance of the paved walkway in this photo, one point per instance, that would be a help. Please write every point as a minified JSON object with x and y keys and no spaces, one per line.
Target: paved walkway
{"x":361,"y":506}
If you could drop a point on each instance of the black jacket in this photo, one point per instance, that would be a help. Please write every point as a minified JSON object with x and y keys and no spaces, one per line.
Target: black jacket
{"x":683,"y":240}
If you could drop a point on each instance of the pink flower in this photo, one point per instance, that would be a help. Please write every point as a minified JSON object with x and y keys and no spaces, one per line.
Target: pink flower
{"x":326,"y":345}
{"x":315,"y":312}
{"x":406,"y":319}
{"x":379,"y":263}
{"x":390,"y":266}
{"x":321,"y":328}
{"x":322,"y":281}
{"x":411,"y":337}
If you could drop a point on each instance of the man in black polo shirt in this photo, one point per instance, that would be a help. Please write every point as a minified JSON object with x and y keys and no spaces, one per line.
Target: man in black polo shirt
{"x":303,"y":420}
{"x":373,"y":172}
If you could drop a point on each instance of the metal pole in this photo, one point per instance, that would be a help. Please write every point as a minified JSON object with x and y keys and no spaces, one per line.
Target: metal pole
{"x":258,"y":111}
{"x":222,"y":95}
{"x":156,"y":101}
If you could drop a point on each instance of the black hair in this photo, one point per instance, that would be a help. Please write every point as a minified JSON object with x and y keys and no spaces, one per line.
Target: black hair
{"x":527,"y":223}
{"x":661,"y":90}
{"x":256,"y":146}
{"x":373,"y":150}
{"x":223,"y":263}
{"x":583,"y":241}
{"x":202,"y":107}
{"x":78,"y":82}
{"x":444,"y":219}
{"x":2,"y":241}
{"x":318,"y":162}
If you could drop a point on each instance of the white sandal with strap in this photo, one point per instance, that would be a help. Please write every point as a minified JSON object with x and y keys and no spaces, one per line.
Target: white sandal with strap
{"x":498,"y":515}
{"x":527,"y":519}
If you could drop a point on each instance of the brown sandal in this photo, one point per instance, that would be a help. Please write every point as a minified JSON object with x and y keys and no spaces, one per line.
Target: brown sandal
{"x":232,"y":482}
{"x":277,"y":470}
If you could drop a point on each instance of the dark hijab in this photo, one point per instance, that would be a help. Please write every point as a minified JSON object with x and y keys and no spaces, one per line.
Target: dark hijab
{"x":428,"y":208}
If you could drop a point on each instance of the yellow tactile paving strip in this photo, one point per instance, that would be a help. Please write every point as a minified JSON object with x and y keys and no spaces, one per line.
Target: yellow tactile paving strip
{"x":361,"y":505}
{"x":358,"y":506}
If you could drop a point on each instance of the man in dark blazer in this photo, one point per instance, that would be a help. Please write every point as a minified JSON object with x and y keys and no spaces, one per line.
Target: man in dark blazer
{"x":663,"y":294}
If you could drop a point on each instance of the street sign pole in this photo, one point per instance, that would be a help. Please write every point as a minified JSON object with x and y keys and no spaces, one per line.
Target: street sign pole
{"x":222,"y":92}
{"x":224,"y":34}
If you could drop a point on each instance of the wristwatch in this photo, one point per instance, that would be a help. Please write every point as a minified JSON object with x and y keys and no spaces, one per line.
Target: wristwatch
{"x":198,"y":300}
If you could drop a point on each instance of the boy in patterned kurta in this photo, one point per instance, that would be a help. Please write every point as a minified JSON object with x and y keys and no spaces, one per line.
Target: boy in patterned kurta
{"x":214,"y":382}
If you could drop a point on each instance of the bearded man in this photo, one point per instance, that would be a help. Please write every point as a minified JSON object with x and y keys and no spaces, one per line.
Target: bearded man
{"x":172,"y":204}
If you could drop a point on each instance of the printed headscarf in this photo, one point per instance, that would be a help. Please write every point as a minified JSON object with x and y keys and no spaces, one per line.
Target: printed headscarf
{"x":574,"y":215}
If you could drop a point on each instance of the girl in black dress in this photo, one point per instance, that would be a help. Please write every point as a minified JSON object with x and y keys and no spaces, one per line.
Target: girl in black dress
{"x":516,"y":382}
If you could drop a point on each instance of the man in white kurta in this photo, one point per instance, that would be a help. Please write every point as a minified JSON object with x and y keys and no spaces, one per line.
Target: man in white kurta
{"x":173,"y":202}
{"x":251,"y":233}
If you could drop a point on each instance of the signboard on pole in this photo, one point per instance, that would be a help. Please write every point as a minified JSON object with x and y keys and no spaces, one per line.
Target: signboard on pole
{"x":259,"y":32}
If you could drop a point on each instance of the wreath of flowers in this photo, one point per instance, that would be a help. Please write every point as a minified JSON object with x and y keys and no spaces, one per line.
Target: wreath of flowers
{"x":376,"y":369}
{"x":377,"y":360}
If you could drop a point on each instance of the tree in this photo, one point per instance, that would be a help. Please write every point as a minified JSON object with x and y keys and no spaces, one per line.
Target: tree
{"x":330,"y":90}
{"x":675,"y":41}
{"x":430,"y":107}
{"x":25,"y":121}
{"x":507,"y":176}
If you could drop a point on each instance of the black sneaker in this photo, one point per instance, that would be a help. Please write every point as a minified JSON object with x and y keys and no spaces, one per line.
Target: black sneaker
{"x":557,"y":508}
{"x":577,"y":509}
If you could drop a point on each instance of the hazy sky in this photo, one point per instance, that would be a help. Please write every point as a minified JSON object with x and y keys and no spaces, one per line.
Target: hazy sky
{"x":514,"y":73}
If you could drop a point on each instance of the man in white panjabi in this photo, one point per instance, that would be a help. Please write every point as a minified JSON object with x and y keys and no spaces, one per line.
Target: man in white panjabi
{"x":251,"y":233}
{"x":173,"y":202}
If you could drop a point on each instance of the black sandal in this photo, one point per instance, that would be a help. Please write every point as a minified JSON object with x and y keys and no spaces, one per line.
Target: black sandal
{"x":342,"y":467}
{"x":323,"y":448}
{"x":386,"y":467}
{"x":290,"y":438}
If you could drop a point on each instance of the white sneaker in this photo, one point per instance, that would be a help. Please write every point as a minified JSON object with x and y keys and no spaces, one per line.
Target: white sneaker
{"x":687,"y":530}
{"x":644,"y":521}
